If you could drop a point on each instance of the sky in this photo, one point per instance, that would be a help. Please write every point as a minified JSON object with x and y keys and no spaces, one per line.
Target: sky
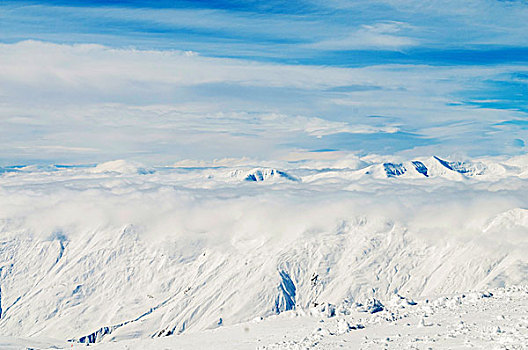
{"x":162,"y":81}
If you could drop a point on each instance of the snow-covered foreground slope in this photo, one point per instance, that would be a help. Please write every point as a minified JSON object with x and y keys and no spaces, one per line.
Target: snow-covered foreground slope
{"x":495,"y":319}
{"x":120,"y":251}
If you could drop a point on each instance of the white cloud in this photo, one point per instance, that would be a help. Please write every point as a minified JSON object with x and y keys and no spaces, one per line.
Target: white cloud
{"x":64,"y":102}
{"x":381,"y":36}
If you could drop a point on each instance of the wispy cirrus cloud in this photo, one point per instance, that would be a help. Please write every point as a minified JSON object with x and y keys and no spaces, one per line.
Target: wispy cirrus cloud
{"x":380,"y":36}
{"x":221,"y":79}
{"x":304,"y":31}
{"x":63,"y":101}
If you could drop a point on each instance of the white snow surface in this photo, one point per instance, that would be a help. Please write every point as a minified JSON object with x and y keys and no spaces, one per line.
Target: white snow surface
{"x":117,"y":255}
{"x":121,"y":167}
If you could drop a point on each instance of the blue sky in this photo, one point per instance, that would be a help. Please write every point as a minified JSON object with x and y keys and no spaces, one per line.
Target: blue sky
{"x":388,"y":77}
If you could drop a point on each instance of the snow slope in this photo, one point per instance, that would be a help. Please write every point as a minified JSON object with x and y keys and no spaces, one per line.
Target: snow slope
{"x":119,"y":254}
{"x":482,"y":320}
{"x":493,"y":319}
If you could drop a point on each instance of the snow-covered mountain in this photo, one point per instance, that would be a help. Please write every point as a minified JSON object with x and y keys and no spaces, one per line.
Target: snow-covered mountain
{"x":122,"y":167}
{"x":434,"y":167}
{"x":106,"y":253}
{"x":263,"y":174}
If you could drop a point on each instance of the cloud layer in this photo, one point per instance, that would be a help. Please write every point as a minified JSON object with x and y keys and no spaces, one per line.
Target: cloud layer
{"x":159,"y":84}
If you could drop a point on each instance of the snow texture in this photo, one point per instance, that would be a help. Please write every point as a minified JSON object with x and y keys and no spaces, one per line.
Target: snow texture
{"x":118,"y":253}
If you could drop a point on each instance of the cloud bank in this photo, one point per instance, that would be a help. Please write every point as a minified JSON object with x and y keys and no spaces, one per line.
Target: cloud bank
{"x":91,"y":103}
